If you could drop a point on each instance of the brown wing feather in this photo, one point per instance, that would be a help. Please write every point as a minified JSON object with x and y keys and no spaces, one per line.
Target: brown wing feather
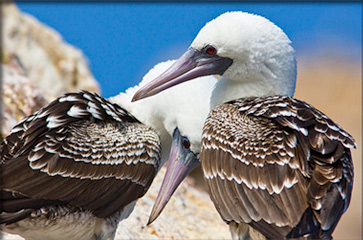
{"x":81,"y":150}
{"x":277,"y":161}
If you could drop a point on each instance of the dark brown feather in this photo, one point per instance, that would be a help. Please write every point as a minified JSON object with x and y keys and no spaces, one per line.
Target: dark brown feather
{"x":80,"y":150}
{"x":278,"y":164}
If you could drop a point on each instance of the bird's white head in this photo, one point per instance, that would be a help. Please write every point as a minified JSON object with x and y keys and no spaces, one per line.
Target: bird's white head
{"x":253,"y":56}
{"x":263,"y":58}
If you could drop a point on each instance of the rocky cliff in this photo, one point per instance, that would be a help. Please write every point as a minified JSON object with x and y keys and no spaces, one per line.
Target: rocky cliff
{"x":55,"y":66}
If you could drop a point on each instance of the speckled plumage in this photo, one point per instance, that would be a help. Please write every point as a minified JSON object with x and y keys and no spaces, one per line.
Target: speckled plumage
{"x":277,"y":161}
{"x":80,"y":153}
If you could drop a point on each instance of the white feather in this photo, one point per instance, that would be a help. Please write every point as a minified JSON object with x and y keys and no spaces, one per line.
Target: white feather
{"x":263,"y":58}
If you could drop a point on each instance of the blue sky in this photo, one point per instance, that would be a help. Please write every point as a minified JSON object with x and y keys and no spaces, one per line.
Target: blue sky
{"x":122,"y":41}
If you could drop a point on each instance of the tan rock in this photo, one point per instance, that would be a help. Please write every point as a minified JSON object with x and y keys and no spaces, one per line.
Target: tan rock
{"x":20,"y":97}
{"x":189,"y":214}
{"x":53,"y":64}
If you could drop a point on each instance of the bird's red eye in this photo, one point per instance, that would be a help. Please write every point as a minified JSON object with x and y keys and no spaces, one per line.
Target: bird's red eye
{"x":186,"y":143}
{"x":210,"y":50}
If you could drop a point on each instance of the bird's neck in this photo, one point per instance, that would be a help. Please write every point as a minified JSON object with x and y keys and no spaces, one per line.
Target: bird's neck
{"x":226,"y":90}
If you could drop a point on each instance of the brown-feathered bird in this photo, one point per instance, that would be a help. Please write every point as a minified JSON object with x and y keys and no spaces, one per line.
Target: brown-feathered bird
{"x":75,"y":168}
{"x":82,"y":161}
{"x":271,"y":161}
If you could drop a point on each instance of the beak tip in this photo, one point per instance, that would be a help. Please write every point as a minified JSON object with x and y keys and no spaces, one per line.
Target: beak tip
{"x":141,"y":94}
{"x":152,"y":218}
{"x":135,"y":97}
{"x":149,"y":222}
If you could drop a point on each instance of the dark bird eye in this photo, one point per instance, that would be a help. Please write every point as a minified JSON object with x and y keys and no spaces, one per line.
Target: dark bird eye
{"x":210,"y":50}
{"x":186,"y":143}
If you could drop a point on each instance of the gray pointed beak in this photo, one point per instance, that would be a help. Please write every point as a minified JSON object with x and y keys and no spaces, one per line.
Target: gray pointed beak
{"x":181,"y":162}
{"x":191,"y":65}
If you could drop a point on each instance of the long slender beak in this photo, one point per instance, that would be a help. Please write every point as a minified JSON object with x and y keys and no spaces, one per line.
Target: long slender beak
{"x":181,"y":162}
{"x":191,"y":65}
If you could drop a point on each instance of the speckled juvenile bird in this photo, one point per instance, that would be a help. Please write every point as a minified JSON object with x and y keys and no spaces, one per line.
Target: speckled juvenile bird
{"x":269,"y":160}
{"x":76,"y":167}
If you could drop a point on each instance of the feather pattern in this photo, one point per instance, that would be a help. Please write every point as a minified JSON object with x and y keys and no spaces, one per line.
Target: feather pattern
{"x":80,"y":151}
{"x":277,"y":162}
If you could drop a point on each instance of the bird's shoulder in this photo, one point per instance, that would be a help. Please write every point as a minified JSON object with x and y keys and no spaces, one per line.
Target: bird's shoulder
{"x":287,"y":114}
{"x":82,"y":118}
{"x":297,"y":115}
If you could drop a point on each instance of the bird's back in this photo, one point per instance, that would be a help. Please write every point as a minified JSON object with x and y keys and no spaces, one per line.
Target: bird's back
{"x":81,"y":154}
{"x":278,"y":164}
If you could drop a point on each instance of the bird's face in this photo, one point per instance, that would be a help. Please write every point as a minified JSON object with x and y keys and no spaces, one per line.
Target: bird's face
{"x":181,"y":162}
{"x":239,"y":46}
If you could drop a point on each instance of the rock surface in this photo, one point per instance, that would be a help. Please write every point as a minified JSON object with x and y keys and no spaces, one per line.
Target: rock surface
{"x":189,"y":215}
{"x":55,"y":66}
{"x":20,"y":97}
